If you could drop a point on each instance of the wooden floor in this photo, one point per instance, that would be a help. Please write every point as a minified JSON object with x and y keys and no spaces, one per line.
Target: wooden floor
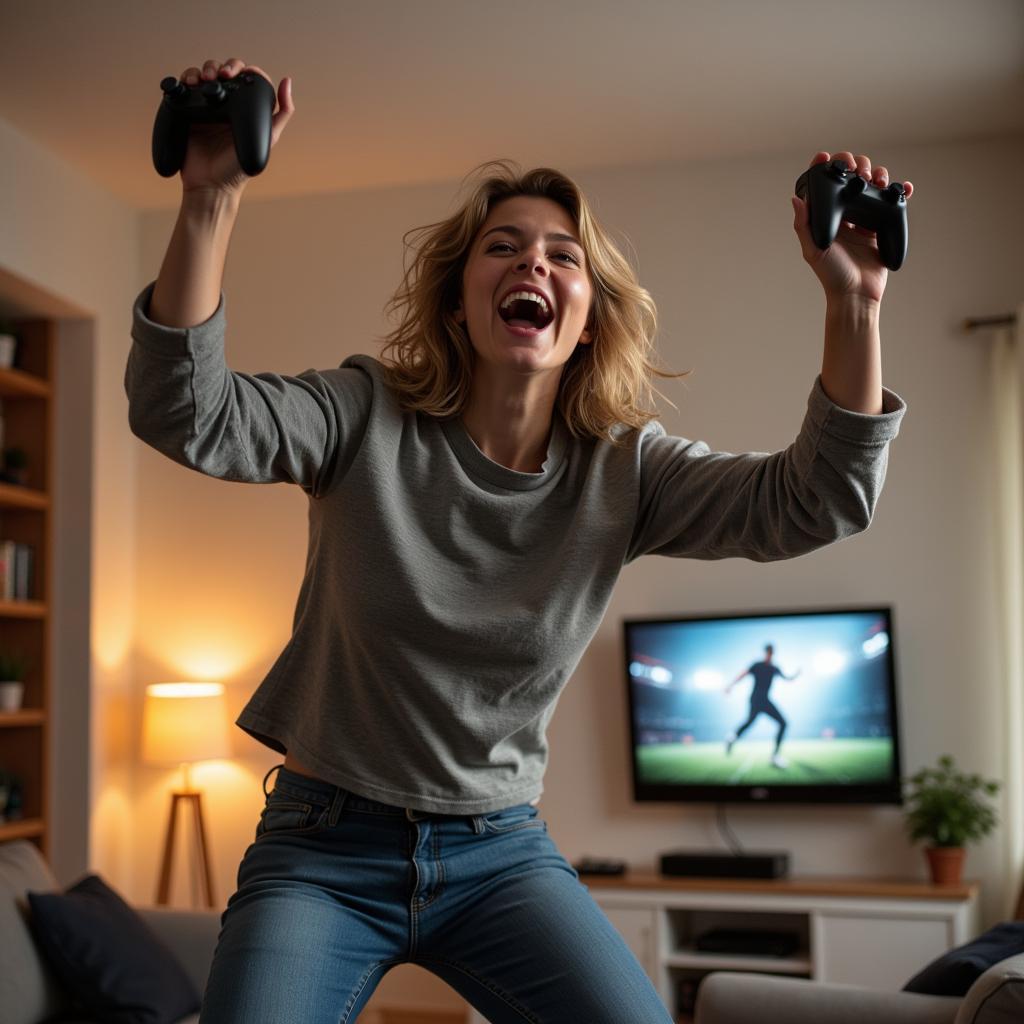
{"x":399,"y":1016}
{"x":405,"y":1016}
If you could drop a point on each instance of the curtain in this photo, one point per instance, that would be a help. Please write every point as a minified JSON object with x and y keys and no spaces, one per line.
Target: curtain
{"x":1008,"y":411}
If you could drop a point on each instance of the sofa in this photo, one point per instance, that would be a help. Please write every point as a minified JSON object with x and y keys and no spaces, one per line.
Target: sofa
{"x":996,"y":997}
{"x":29,"y":990}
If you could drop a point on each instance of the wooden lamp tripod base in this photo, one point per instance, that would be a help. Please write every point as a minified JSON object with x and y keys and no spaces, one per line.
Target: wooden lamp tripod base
{"x":194,"y":799}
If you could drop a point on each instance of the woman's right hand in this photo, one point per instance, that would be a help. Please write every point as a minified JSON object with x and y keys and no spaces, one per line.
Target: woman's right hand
{"x":210,"y":160}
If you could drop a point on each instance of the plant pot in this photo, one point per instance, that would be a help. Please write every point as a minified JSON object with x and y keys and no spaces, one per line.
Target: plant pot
{"x":946,"y":864}
{"x":11,"y":693}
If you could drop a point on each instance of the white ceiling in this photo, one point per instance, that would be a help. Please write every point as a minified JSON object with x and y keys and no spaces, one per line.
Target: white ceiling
{"x":396,"y":92}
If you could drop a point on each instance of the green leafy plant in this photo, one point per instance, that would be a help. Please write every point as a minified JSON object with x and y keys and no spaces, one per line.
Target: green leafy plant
{"x":947,"y":807}
{"x":13,"y":666}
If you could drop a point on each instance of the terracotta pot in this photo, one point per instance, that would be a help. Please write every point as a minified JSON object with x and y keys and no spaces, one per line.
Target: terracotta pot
{"x":946,"y":864}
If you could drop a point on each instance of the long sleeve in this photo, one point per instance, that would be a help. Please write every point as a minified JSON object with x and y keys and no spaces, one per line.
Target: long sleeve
{"x":256,"y":428}
{"x":701,"y":504}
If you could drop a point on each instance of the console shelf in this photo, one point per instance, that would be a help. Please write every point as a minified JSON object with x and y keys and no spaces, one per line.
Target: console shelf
{"x":705,"y":962}
{"x":872,"y":932}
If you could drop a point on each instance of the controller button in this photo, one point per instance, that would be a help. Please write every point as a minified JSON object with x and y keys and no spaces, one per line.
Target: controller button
{"x":213,"y":92}
{"x":838,"y":170}
{"x":895,"y":192}
{"x":172,"y":87}
{"x":856,"y":185}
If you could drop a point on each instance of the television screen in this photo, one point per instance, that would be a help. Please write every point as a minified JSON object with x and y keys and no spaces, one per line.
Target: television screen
{"x":792,"y":706}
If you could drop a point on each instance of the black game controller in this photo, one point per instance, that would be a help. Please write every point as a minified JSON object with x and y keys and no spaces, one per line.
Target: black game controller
{"x":835,"y":193}
{"x":246,"y":102}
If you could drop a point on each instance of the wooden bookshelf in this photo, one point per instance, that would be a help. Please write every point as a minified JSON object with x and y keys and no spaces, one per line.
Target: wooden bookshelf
{"x":12,"y":496}
{"x":26,"y":828}
{"x":24,"y":717}
{"x":21,"y":609}
{"x":27,"y":415}
{"x":16,"y":383}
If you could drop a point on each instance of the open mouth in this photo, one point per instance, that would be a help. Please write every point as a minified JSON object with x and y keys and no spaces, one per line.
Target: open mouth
{"x":526,"y":309}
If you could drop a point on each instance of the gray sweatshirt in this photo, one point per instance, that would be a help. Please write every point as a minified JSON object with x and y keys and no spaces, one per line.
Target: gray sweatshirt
{"x":446,"y":598}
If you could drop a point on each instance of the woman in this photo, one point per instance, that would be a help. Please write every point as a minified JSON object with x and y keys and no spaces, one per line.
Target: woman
{"x":471,"y":504}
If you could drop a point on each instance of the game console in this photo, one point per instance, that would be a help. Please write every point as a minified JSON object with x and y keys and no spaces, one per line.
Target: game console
{"x":689,"y":864}
{"x":600,"y":866}
{"x":748,"y":942}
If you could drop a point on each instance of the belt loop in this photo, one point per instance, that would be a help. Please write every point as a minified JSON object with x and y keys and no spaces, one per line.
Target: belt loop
{"x":478,"y":823}
{"x":337,"y":804}
{"x":276,"y":767}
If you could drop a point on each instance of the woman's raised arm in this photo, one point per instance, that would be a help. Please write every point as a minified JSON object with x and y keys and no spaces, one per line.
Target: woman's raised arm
{"x":188,"y":288}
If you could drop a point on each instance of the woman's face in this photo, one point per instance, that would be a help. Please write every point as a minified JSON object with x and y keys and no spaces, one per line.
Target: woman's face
{"x":529,"y":245}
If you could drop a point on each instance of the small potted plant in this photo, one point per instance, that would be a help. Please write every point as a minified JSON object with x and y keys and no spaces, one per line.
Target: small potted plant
{"x":13,"y":668}
{"x":947,"y":809}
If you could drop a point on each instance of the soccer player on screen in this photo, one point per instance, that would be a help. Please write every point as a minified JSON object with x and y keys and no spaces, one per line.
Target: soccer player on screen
{"x":764,"y":673}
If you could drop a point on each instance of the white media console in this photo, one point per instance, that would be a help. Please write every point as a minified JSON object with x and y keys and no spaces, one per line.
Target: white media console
{"x":876,"y":933}
{"x":854,"y":931}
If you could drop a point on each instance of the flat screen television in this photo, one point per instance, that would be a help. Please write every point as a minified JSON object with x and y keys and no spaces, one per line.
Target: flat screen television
{"x":784,"y":706}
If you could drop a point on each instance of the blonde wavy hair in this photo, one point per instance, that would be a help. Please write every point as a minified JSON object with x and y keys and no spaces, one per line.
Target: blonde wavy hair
{"x":428,"y":357}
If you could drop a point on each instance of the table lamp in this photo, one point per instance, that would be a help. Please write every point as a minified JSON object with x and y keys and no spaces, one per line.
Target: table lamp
{"x":183,"y":723}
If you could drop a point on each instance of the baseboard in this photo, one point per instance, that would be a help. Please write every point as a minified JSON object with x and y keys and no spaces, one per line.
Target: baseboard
{"x":401,"y":1015}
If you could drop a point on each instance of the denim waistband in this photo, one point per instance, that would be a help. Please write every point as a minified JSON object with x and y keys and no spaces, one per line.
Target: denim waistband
{"x":306,"y":787}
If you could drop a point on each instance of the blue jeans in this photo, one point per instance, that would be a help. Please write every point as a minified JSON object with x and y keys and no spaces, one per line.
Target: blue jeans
{"x":335,"y":890}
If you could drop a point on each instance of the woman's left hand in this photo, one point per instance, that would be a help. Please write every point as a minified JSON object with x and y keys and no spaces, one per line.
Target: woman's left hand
{"x":850,"y":266}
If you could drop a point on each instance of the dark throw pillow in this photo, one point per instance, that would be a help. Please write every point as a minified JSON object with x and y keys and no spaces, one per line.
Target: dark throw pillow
{"x":953,"y":973}
{"x":108,"y":958}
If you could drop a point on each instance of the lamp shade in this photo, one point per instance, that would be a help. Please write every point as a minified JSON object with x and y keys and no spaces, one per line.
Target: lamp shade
{"x":184,"y":722}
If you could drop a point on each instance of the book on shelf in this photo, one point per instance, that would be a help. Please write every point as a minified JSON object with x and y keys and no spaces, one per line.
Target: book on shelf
{"x":17,"y":563}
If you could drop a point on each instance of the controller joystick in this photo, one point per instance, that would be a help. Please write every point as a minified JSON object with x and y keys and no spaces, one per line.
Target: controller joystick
{"x":172,"y":87}
{"x":834,"y":193}
{"x":245,"y":102}
{"x":838,"y":170}
{"x":213,"y":92}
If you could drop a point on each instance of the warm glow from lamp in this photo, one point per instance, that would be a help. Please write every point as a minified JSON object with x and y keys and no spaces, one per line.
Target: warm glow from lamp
{"x":185,"y":722}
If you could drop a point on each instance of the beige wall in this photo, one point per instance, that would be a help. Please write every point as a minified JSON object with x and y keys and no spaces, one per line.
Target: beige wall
{"x":194,"y":576}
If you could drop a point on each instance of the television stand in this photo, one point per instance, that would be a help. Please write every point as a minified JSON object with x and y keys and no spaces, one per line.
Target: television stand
{"x":860,"y":931}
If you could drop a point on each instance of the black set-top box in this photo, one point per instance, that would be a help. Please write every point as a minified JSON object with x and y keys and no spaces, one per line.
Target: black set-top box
{"x":685,"y":863}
